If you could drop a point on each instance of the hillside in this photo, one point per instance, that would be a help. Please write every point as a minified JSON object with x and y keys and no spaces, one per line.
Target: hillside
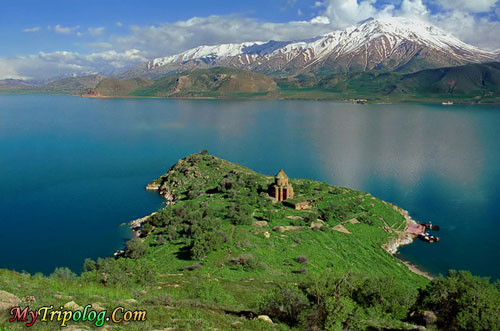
{"x":218,"y":82}
{"x":117,"y":87}
{"x":393,"y":44}
{"x":13,"y":84}
{"x":213,"y":82}
{"x":73,"y":85}
{"x":68,"y":85}
{"x":222,"y":252}
{"x":472,"y":83}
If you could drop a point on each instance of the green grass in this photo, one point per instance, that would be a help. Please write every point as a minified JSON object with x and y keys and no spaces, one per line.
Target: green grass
{"x":213,"y":295}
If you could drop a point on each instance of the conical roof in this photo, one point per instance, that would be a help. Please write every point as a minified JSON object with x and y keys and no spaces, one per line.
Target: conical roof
{"x":281,"y":175}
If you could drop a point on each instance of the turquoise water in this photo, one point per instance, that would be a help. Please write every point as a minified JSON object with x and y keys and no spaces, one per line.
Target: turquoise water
{"x":73,"y":169}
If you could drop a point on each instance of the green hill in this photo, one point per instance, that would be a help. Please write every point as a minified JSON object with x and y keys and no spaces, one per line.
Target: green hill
{"x":469,"y":81}
{"x":222,"y":252}
{"x":214,"y":82}
{"x":116,"y":87}
{"x":472,"y":83}
{"x":73,"y":85}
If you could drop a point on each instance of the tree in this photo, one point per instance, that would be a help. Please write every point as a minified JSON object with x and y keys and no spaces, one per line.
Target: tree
{"x":285,"y":303}
{"x":135,"y":248}
{"x":63,"y":273}
{"x":462,"y":302}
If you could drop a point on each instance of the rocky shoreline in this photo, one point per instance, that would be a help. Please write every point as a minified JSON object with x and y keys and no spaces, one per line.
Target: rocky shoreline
{"x":405,"y":238}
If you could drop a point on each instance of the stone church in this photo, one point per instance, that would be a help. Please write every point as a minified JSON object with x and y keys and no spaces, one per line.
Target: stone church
{"x":281,"y":189}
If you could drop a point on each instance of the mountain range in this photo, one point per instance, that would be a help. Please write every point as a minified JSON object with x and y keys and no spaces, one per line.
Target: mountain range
{"x":395,"y":44}
{"x":393,"y":59}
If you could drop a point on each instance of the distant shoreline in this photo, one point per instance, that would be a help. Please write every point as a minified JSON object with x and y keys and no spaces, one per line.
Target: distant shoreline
{"x":230,"y":98}
{"x":234,"y":98}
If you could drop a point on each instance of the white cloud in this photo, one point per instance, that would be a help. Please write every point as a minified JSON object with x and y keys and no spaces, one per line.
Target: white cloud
{"x":458,"y":18}
{"x":96,"y":31}
{"x":320,"y":20}
{"x":171,"y":38}
{"x":299,"y":12}
{"x":413,"y":8}
{"x":7,"y":71}
{"x":146,"y":42}
{"x":475,"y":6}
{"x":34,"y":29}
{"x":65,"y":30}
{"x":102,"y":44}
{"x":45,"y":65}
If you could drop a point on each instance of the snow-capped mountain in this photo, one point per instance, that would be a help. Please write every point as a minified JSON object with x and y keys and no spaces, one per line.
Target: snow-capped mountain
{"x":393,"y":43}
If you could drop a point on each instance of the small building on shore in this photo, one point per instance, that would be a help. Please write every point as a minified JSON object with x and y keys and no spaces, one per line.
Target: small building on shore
{"x":281,"y":189}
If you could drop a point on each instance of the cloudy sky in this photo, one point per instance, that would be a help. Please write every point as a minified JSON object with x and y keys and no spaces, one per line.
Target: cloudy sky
{"x":42,"y":39}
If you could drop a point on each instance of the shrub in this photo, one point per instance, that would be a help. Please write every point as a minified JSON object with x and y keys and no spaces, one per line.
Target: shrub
{"x":365,"y":219}
{"x":161,"y":240}
{"x":89,"y":265}
{"x":195,"y":266}
{"x":285,"y":303}
{"x":269,"y":216}
{"x":135,"y":248}
{"x":298,"y":222}
{"x":302,"y":260}
{"x":157,"y":299}
{"x":301,"y":271}
{"x":226,"y":185}
{"x":312,"y":217}
{"x":347,"y":302}
{"x":63,"y":273}
{"x":462,"y":302}
{"x":210,"y":291}
{"x":146,"y":229}
{"x":194,"y":191}
{"x":247,"y":261}
{"x":207,"y":242}
{"x":243,"y":219}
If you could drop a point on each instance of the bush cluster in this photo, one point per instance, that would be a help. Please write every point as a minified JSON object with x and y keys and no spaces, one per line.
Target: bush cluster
{"x":353,"y":302}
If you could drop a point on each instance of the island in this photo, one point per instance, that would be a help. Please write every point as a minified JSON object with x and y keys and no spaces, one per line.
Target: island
{"x":235,"y":249}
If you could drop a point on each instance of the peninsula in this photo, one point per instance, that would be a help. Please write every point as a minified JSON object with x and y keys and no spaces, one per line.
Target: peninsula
{"x":235,"y":249}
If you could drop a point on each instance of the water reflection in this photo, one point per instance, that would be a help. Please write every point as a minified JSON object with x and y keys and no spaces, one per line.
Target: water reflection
{"x":439,"y":163}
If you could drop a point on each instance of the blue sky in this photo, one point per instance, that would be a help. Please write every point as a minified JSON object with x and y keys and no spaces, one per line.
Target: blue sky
{"x":16,"y":16}
{"x":49,"y":38}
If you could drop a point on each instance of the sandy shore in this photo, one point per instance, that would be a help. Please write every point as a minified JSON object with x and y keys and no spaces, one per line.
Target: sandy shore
{"x":413,"y":268}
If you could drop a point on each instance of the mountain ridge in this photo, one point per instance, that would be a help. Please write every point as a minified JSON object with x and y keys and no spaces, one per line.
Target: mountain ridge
{"x":468,"y":84}
{"x":398,"y":44}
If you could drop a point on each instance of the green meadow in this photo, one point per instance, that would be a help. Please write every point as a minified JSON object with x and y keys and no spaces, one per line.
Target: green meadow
{"x":223,"y":253}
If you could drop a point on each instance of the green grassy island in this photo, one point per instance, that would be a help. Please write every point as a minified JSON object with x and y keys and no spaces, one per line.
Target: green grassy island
{"x":223,"y":254}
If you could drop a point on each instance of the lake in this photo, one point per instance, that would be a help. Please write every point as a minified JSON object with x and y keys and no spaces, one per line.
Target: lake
{"x":73,"y":170}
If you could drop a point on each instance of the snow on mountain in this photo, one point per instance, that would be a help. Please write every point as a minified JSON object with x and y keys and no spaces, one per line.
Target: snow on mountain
{"x":204,"y":52}
{"x":390,"y":43}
